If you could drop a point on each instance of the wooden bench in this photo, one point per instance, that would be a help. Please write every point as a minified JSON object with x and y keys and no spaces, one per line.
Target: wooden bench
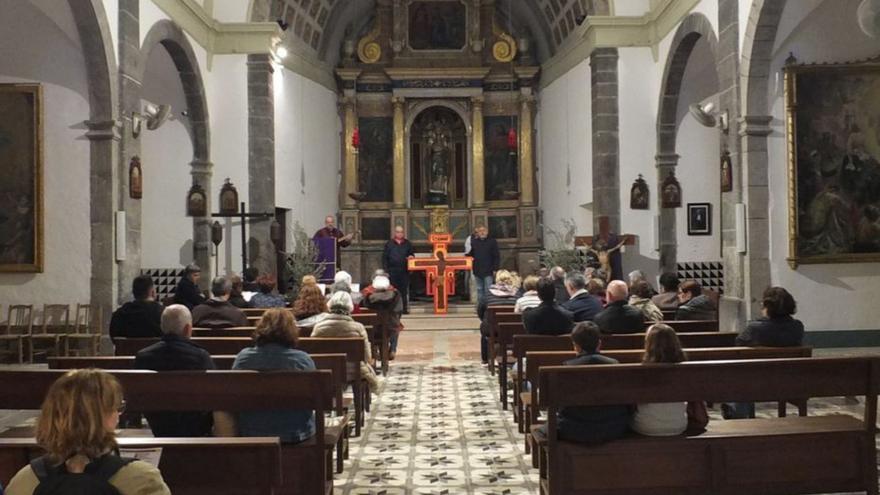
{"x":505,"y":332}
{"x":245,"y":332}
{"x":688,"y":326}
{"x":304,"y":466}
{"x":826,"y":454}
{"x":336,"y":363}
{"x":189,"y":466}
{"x":495,"y":315}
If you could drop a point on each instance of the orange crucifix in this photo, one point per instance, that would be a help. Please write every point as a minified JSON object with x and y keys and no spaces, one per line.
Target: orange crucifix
{"x":440,"y":271}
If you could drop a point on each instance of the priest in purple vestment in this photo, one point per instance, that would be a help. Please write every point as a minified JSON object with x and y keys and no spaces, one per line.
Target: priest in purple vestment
{"x":330,"y":230}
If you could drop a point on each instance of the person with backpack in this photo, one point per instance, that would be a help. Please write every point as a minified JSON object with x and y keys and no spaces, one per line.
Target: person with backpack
{"x":76,"y":428}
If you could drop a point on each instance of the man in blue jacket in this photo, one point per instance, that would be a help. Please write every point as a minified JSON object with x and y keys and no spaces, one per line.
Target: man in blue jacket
{"x":487,"y":258}
{"x":582,"y":304}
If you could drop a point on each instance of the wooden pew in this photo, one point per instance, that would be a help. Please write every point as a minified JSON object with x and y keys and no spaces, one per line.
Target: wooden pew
{"x":688,"y":326}
{"x":190,"y":466}
{"x":336,"y":363}
{"x":494,"y":316}
{"x":826,"y":454}
{"x":224,"y":332}
{"x":304,"y":466}
{"x":688,"y":340}
{"x":505,"y":331}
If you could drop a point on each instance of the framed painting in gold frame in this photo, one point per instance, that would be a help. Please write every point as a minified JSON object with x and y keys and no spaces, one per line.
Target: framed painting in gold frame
{"x":21,"y":181}
{"x":833,"y":141}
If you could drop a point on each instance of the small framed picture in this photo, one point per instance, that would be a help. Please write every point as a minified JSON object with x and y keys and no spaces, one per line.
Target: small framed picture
{"x":699,"y":218}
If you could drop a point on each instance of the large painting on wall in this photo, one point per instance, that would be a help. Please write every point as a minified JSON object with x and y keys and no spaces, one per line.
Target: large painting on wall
{"x":376,"y":158}
{"x":21,"y":186}
{"x":502,"y":165}
{"x":437,"y":25}
{"x":834,"y":163}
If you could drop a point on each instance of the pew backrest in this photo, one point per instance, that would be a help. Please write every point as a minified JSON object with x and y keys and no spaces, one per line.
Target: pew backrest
{"x":688,"y":326}
{"x":688,"y":340}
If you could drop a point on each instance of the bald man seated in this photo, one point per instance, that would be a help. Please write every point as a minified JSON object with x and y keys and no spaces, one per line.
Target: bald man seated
{"x":618,"y":316}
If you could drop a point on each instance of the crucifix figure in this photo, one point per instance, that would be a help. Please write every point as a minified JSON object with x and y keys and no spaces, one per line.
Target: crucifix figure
{"x":440,"y":271}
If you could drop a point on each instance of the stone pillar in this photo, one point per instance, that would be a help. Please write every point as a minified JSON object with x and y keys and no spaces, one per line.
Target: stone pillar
{"x":753,"y":132}
{"x":201,"y":175}
{"x":130,"y":91}
{"x":478,"y":170}
{"x":261,"y":161}
{"x":666,"y":164}
{"x":606,"y":145}
{"x":350,"y":172}
{"x":526,"y":153}
{"x":399,"y":168}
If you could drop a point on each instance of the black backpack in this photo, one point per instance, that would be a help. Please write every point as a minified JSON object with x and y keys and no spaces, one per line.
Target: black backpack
{"x":95,"y":480}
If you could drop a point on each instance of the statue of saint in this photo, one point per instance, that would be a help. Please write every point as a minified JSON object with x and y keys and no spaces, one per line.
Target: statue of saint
{"x":437,"y":134}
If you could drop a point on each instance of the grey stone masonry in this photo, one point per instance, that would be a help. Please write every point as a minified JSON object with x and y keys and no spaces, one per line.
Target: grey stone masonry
{"x":261,"y":161}
{"x":606,"y":140}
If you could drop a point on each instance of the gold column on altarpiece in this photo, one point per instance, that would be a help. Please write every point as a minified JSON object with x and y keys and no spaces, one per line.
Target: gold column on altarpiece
{"x":479,"y":175}
{"x":399,"y":168}
{"x":526,"y":159}
{"x":350,"y":172}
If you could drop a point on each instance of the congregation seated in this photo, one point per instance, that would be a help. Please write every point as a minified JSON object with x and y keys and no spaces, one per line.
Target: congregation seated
{"x":187,"y":291}
{"x":275,"y":340}
{"x":596,"y":288}
{"x":76,"y":427}
{"x":267,"y":297}
{"x":530,"y":298}
{"x":618,"y":316}
{"x":381,"y":297}
{"x":503,"y":292}
{"x":776,"y":328}
{"x":141,"y":317}
{"x":636,"y":276}
{"x":342,"y":281}
{"x":236,"y":298}
{"x":668,"y":299}
{"x":661,"y":419}
{"x":558,"y":275}
{"x":583,"y":306}
{"x":640,"y":298}
{"x":694,"y":304}
{"x":548,"y":318}
{"x":591,"y":424}
{"x":339,"y":324}
{"x":176,"y":352}
{"x":310,"y":306}
{"x":217,"y":312}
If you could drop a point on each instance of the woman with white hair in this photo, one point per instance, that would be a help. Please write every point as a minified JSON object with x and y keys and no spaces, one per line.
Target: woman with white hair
{"x":342,"y":282}
{"x":384,"y":299}
{"x":339,"y":324}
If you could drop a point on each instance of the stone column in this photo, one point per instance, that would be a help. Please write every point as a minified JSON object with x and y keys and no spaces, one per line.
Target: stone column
{"x":201,"y":175}
{"x":399,"y":168}
{"x":130,"y":91}
{"x":261,"y":161}
{"x":753,"y":132}
{"x":350,"y":172}
{"x":478,"y":170}
{"x":666,"y":164}
{"x":606,"y":145}
{"x":526,"y":154}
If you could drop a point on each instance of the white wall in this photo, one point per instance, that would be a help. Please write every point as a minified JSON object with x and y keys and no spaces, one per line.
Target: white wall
{"x":830,"y":297}
{"x":166,"y":154}
{"x":66,"y":159}
{"x":564,"y":133}
{"x":307,"y":150}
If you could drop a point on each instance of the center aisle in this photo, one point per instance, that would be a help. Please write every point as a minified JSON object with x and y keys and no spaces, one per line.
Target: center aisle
{"x":438,"y":428}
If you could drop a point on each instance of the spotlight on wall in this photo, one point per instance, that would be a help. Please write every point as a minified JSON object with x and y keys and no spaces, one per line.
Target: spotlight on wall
{"x":153,"y":115}
{"x":184,"y":113}
{"x":282,"y":24}
{"x":706,"y":115}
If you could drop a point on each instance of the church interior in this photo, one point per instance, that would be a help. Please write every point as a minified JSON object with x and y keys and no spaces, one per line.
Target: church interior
{"x":598,"y":145}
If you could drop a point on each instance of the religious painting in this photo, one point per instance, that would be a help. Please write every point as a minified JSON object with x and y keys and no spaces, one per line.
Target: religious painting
{"x":375,"y":228}
{"x":21,"y":190}
{"x":639,"y":195}
{"x":196,"y":202}
{"x":439,"y":158}
{"x":834,"y":162}
{"x":503,"y":227}
{"x":228,"y":198}
{"x":726,"y":172}
{"x":699,"y":218}
{"x":501,"y":166}
{"x":376,"y":158}
{"x":437,"y":25}
{"x":671,"y":193}
{"x":135,"y":178}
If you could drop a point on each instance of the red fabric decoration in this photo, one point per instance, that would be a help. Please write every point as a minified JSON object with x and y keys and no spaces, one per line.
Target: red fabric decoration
{"x":356,"y":139}
{"x":512,"y":141}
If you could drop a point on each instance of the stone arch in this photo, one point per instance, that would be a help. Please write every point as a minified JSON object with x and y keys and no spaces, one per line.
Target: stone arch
{"x":172,"y":38}
{"x":692,"y":29}
{"x":103,"y":134}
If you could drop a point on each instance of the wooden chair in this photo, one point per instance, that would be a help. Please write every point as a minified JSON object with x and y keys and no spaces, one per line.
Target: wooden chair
{"x":52,"y":330}
{"x":83,"y":330}
{"x":19,"y":321}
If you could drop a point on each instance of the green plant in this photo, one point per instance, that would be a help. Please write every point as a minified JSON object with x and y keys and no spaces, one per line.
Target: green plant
{"x":560,"y":249}
{"x":301,"y":261}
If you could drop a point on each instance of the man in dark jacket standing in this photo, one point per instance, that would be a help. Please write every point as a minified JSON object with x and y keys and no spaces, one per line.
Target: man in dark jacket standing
{"x":394,"y":259}
{"x":548,"y":318}
{"x":187,"y":291}
{"x":558,"y":274}
{"x":487,"y":258}
{"x":582,"y":304}
{"x":618,"y":316}
{"x":141,"y":317}
{"x":217,"y":312}
{"x":177,"y":353}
